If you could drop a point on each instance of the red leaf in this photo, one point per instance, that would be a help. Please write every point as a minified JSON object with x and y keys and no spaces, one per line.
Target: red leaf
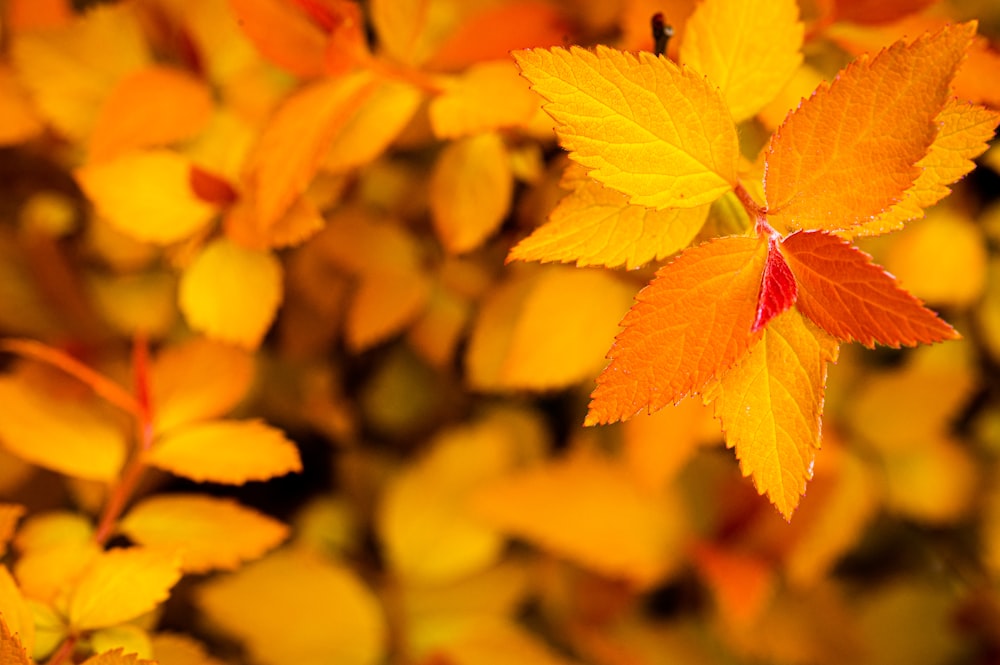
{"x":777,"y":287}
{"x":850,"y":297}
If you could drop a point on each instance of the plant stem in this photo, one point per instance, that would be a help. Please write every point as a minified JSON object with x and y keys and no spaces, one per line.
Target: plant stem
{"x":64,"y":651}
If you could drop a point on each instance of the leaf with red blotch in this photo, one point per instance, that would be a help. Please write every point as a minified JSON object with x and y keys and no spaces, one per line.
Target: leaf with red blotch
{"x":778,"y":290}
{"x":690,"y":323}
{"x":830,"y":167}
{"x":853,"y":299}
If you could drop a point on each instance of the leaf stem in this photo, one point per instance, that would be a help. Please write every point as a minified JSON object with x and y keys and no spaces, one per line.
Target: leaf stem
{"x":64,"y":652}
{"x":757,"y":212}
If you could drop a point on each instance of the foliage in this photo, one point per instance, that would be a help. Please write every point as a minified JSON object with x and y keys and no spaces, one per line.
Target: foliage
{"x":285,"y":381}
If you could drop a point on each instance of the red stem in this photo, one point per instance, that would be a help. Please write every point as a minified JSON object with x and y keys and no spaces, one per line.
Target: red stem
{"x":65,"y":651}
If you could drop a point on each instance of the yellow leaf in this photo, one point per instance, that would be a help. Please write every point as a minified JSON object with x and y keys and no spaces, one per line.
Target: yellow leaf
{"x":438,"y":331}
{"x":373,"y":125}
{"x":336,"y":619}
{"x":410,"y":30}
{"x":512,"y":345}
{"x":15,"y":615}
{"x":226,"y":451}
{"x":117,"y":657}
{"x":50,"y":529}
{"x":198,"y":380}
{"x":470,"y":191}
{"x":595,"y":225}
{"x":209,"y":533}
{"x":749,"y":48}
{"x":19,"y":121}
{"x":70,"y":70}
{"x":153,"y":106}
{"x":231,"y":294}
{"x":384,"y":303}
{"x":485,"y":97}
{"x":934,"y":483}
{"x":50,"y":628}
{"x":292,"y":144}
{"x":627,"y":119}
{"x":940,"y":259}
{"x":491,"y":641}
{"x":299,"y":222}
{"x":178,"y":649}
{"x":66,"y":436}
{"x":128,"y":638}
{"x":147,"y":195}
{"x":770,"y":404}
{"x":12,"y":652}
{"x":590,"y":511}
{"x":136,"y":303}
{"x":45,"y":574}
{"x":424,"y":522}
{"x":119,"y":585}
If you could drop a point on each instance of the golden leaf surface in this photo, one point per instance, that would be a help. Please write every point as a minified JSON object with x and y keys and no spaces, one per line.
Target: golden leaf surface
{"x":147,"y":195}
{"x":470,"y":191}
{"x":15,"y":613}
{"x":11,"y":649}
{"x":117,"y":657}
{"x":208,"y":533}
{"x":657,"y":132}
{"x":198,"y":380}
{"x":596,"y":225}
{"x":226,"y":451}
{"x":831,"y":167}
{"x":65,"y":436}
{"x":336,"y":617}
{"x":119,"y":585}
{"x":154,"y":106}
{"x":512,"y":346}
{"x":749,"y":48}
{"x":577,"y":506}
{"x":770,"y":405}
{"x":231,"y":293}
{"x":179,"y":649}
{"x":485,"y":97}
{"x":690,"y":323}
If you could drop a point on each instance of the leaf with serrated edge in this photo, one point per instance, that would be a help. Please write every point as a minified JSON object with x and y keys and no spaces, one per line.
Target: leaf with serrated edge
{"x":832,"y":167}
{"x":595,"y":225}
{"x":655,"y":131}
{"x":117,"y":657}
{"x":119,"y":585}
{"x":963,"y":132}
{"x":691,"y":322}
{"x":770,"y":405}
{"x":226,"y":451}
{"x":11,"y":650}
{"x":209,"y":533}
{"x":778,"y":290}
{"x":853,"y":299}
{"x":15,"y":614}
{"x":749,"y":48}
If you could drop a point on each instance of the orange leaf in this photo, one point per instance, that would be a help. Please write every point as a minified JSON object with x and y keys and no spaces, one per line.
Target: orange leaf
{"x":147,"y":195}
{"x":595,"y":225}
{"x":119,"y":585}
{"x":963,"y":132}
{"x":877,"y":11}
{"x":180,"y":649}
{"x":283,"y":34}
{"x":117,"y":657}
{"x":743,"y":584}
{"x":470,"y":191}
{"x":770,"y":405}
{"x":231,"y":293}
{"x":11,"y":650}
{"x":154,"y":106}
{"x":19,"y":121}
{"x":293,"y":143}
{"x":690,"y":323}
{"x":226,"y":451}
{"x":492,"y":33}
{"x":627,"y":118}
{"x":830,"y":167}
{"x":749,"y":48}
{"x":853,"y":299}
{"x":208,"y":533}
{"x":15,"y":615}
{"x":487,"y":96}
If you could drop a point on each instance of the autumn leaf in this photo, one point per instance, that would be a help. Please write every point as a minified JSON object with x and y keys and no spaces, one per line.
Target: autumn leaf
{"x":15,"y":615}
{"x":832,"y":168}
{"x":231,"y":293}
{"x":117,"y":657}
{"x":179,"y":649}
{"x":749,"y":49}
{"x":19,"y":121}
{"x":624,"y":118}
{"x":283,"y":34}
{"x":596,"y":225}
{"x":154,"y":106}
{"x":336,"y":617}
{"x":119,"y":585}
{"x":226,"y":451}
{"x":209,"y":533}
{"x":484,"y":97}
{"x":690,"y":323}
{"x":770,"y":404}
{"x":851,"y":298}
{"x":147,"y":194}
{"x":12,"y":652}
{"x":742,"y":583}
